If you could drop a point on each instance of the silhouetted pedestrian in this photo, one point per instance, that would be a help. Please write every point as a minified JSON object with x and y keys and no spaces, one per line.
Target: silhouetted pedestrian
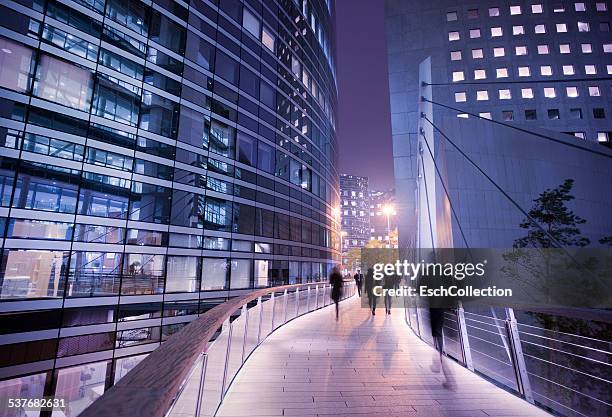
{"x":436,"y":318}
{"x":335,"y":279}
{"x":370,"y":283}
{"x":358,"y":281}
{"x":389,"y":282}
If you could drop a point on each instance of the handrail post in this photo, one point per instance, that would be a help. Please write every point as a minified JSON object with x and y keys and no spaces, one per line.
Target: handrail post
{"x":201,"y":384}
{"x":463,"y":338}
{"x":297,"y":302}
{"x":308,"y":300}
{"x":260,"y":305}
{"x":245,"y":312}
{"x":273,"y":299}
{"x":518,"y":360}
{"x":285,"y":306}
{"x":227,"y":357}
{"x":316,"y":305}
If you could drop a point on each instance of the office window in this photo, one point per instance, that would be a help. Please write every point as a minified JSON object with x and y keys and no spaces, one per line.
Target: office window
{"x":296,"y":67}
{"x":480,"y":74}
{"x":507,"y":115}
{"x":62,"y":82}
{"x":549,"y":92}
{"x":267,"y":38}
{"x":524,"y":72}
{"x":482,"y":95}
{"x":568,"y":70}
{"x":536,"y":8}
{"x":609,"y":69}
{"x":564,"y":48}
{"x":561,"y":27}
{"x":460,"y":97}
{"x":545,"y":70}
{"x":553,"y":114}
{"x":590,"y":69}
{"x":526,"y":93}
{"x":579,"y":135}
{"x":472,"y":14}
{"x":572,"y":92}
{"x":531,"y":115}
{"x":604,"y":26}
{"x":520,"y":50}
{"x":463,"y":116}
{"x":455,"y":55}
{"x":599,"y":113}
{"x":485,"y":115}
{"x":497,"y":52}
{"x":474,"y":33}
{"x":182,"y":273}
{"x":505,"y":94}
{"x":514,"y":10}
{"x":458,"y":76}
{"x":603,"y":137}
{"x":453,"y":36}
{"x":594,"y":91}
{"x":601,"y":7}
{"x":576,"y":113}
{"x":16,"y":65}
{"x":493,"y":11}
{"x":250,"y":22}
{"x":607,"y":48}
{"x":559,"y":8}
{"x":540,"y":28}
{"x":496,"y":32}
{"x":579,"y":7}
{"x":583,"y":27}
{"x":586,"y":48}
{"x":518,"y":30}
{"x":543,"y":50}
{"x":501,"y":72}
{"x":477,"y":53}
{"x":451,"y":16}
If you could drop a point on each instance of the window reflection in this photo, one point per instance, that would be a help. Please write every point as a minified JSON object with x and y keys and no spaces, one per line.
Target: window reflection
{"x":80,"y":386}
{"x":31,"y":386}
{"x":16,"y":65}
{"x":39,"y":229}
{"x":63,"y":83}
{"x":94,"y":274}
{"x":182,"y":274}
{"x":143,"y":274}
{"x":214,"y":274}
{"x":125,"y":365}
{"x":32,"y":273}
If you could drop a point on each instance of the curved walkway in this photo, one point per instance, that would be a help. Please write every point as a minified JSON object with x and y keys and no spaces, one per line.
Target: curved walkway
{"x":359,"y":366}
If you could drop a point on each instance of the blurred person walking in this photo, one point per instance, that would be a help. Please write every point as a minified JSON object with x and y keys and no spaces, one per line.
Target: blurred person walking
{"x":370,"y":283}
{"x":335,"y":279}
{"x":358,"y":281}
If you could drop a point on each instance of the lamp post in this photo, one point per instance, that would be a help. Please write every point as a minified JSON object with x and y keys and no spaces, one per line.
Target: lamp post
{"x":388,"y":210}
{"x":342,"y":234}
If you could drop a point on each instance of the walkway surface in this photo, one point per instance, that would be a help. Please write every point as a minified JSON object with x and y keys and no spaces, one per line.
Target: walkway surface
{"x":359,"y":366}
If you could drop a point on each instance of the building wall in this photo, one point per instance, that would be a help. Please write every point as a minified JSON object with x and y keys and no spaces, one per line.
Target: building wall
{"x":355,"y":211}
{"x":156,"y":158}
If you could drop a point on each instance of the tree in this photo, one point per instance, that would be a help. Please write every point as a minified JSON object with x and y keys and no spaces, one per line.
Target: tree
{"x":606,"y":240}
{"x":375,"y":244}
{"x":553,"y":215}
{"x":353,"y":259}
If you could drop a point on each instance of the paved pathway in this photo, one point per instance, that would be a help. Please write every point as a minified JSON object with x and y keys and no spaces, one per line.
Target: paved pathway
{"x":360,"y":366}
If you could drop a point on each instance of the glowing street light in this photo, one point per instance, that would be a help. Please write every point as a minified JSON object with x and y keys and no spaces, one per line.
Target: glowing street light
{"x":389,"y":211}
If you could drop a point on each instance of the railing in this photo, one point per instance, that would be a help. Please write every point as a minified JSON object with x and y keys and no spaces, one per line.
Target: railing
{"x":564,"y":373}
{"x":190,"y":373}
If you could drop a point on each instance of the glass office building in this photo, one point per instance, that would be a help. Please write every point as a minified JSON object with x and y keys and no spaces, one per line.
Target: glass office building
{"x":156,"y":157}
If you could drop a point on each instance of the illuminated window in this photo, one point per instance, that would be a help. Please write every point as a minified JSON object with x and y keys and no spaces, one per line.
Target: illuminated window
{"x":543,"y":50}
{"x":545,"y":70}
{"x":474,"y":33}
{"x":609,"y":69}
{"x":594,"y":91}
{"x":568,"y":70}
{"x":505,"y":94}
{"x":536,"y":8}
{"x":561,"y":28}
{"x":496,"y":32}
{"x":540,"y":28}
{"x":453,"y":36}
{"x":564,"y":48}
{"x":451,"y":16}
{"x":603,"y":137}
{"x":482,"y":95}
{"x":477,"y":53}
{"x":485,"y":115}
{"x":520,"y":50}
{"x":480,"y":74}
{"x":456,"y":56}
{"x":550,"y":92}
{"x":579,"y":135}
{"x":601,"y":7}
{"x":559,"y":9}
{"x":458,"y":76}
{"x":607,"y":48}
{"x":524,"y":72}
{"x":497,"y":52}
{"x":501,"y":72}
{"x":463,"y":116}
{"x":514,"y":10}
{"x":590,"y":70}
{"x":579,"y":7}
{"x":583,"y":27}
{"x":526,"y":93}
{"x":518,"y":30}
{"x":572,"y":92}
{"x":460,"y":97}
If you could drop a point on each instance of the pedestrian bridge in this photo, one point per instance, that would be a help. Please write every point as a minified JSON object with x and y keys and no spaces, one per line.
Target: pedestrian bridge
{"x":280,"y":352}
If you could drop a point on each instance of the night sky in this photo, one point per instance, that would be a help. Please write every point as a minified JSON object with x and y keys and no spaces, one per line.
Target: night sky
{"x":364,"y":126}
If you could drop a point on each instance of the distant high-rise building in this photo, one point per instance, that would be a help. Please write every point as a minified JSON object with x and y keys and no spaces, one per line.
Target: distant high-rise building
{"x":354,"y":211}
{"x":383,"y":217}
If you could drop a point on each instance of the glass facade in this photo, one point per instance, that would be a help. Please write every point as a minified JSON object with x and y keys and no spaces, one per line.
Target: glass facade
{"x":155,"y":158}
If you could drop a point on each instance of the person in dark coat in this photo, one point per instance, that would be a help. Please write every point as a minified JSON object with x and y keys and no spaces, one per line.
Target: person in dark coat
{"x":358,"y":281}
{"x":335,"y":279}
{"x":370,"y":283}
{"x":389,"y":282}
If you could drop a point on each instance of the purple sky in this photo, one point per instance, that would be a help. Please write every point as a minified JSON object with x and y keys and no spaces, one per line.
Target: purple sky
{"x":364,"y":127}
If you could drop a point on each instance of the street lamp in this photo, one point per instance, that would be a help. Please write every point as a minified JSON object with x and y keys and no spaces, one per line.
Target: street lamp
{"x":388,"y":210}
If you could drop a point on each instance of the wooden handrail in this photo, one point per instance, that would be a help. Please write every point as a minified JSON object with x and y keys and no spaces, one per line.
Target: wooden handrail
{"x":149,"y":389}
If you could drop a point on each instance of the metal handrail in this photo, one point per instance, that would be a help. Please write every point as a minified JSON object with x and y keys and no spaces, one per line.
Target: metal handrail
{"x":155,"y":385}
